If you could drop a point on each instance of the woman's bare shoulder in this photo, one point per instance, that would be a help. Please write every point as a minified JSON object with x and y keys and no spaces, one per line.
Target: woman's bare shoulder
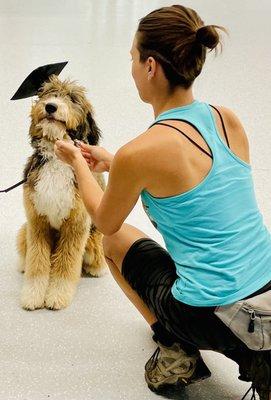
{"x":152,"y":149}
{"x":230,"y":117}
{"x":149,"y":142}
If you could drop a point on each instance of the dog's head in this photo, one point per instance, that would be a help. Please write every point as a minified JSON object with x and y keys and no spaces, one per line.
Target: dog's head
{"x":62,"y":111}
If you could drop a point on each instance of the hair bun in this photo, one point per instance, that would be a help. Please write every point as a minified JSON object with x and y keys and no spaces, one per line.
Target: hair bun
{"x":207,"y":36}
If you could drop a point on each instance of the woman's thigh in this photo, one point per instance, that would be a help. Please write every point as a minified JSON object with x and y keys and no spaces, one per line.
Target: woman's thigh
{"x":151,"y":272}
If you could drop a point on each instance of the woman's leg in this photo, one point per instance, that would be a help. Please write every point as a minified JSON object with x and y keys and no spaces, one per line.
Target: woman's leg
{"x":150,"y":270}
{"x":115,"y":248}
{"x":146,"y":261}
{"x":145,"y":272}
{"x":130,"y":293}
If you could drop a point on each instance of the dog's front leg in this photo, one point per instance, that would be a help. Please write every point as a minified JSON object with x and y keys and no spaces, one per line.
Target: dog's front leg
{"x":66,"y":262}
{"x":37,"y":263}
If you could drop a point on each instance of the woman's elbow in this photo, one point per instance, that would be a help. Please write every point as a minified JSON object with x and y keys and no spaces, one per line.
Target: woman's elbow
{"x":107,"y":227}
{"x":108,"y":230}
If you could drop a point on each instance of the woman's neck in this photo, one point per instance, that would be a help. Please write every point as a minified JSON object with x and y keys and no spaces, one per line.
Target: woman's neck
{"x":180,"y":97}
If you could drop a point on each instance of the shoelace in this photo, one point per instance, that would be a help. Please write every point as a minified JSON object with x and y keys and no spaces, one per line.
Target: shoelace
{"x":253,"y":397}
{"x":154,"y":357}
{"x":163,"y":368}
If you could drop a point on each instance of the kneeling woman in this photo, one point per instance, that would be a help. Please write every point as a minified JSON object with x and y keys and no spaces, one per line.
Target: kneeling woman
{"x":191,"y":169}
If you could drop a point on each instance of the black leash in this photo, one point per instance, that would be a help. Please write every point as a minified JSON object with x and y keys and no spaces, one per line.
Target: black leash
{"x":76,"y":143}
{"x":13,"y":186}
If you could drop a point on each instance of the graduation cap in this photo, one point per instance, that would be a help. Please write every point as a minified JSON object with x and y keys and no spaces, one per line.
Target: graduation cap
{"x":34,"y":81}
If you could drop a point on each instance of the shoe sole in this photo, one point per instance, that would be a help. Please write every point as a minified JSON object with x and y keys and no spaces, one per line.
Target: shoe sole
{"x":170,"y":389}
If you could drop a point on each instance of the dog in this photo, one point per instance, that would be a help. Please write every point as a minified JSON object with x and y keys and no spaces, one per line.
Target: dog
{"x":58,"y":242}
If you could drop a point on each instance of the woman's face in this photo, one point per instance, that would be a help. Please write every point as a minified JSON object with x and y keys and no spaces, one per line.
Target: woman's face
{"x":140,"y":73}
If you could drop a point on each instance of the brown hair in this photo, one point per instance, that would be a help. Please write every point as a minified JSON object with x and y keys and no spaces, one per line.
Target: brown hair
{"x":177,"y":38}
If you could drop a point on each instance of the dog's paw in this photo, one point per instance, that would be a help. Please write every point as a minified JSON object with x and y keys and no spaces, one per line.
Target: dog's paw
{"x":59,"y":294}
{"x":94,"y":265}
{"x":33,"y":294}
{"x":95,"y":270}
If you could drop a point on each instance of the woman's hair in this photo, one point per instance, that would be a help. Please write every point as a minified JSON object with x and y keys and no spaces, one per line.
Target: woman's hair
{"x":177,"y":38}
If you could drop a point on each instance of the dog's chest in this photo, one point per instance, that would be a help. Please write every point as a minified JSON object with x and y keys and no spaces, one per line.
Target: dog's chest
{"x":54,"y":193}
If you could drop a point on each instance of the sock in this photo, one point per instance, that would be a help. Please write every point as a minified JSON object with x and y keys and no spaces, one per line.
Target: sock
{"x":162,"y":335}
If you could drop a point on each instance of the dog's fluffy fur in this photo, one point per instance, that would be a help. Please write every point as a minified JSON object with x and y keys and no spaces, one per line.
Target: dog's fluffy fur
{"x":59,"y":238}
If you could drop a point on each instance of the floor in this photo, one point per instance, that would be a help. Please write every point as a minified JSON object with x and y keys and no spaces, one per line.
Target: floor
{"x":96,"y":349}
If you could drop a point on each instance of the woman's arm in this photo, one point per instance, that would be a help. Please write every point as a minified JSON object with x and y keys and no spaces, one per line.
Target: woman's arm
{"x":126,"y":180}
{"x":90,"y":191}
{"x":108,"y":209}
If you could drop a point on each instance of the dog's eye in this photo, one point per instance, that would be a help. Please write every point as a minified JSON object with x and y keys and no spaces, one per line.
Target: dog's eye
{"x":73,"y":99}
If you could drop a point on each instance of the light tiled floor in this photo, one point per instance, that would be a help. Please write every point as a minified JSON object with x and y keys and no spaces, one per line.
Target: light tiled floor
{"x":96,"y":349}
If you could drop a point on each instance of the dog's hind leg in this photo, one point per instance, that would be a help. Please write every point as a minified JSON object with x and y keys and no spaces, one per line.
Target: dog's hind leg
{"x":67,"y":259}
{"x":21,"y":247}
{"x":94,"y":263}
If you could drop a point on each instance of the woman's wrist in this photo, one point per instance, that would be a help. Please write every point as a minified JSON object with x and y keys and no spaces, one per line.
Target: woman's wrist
{"x":109,"y":161}
{"x":78,"y":160}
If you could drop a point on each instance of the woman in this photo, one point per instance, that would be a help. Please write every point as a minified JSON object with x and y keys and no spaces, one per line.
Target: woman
{"x":194,"y":178}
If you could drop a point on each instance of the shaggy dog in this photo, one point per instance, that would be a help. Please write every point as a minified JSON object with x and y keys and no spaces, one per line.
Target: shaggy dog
{"x":58,"y":239}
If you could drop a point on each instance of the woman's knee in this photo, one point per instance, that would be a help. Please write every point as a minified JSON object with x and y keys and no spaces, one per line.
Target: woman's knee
{"x":116,"y":246}
{"x":111,"y":245}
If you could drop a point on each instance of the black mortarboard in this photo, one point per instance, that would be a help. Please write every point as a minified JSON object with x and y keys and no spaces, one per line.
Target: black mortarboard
{"x":34,"y":81}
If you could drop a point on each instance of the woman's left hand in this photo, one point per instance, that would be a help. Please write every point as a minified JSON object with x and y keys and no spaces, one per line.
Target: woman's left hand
{"x":67,"y":152}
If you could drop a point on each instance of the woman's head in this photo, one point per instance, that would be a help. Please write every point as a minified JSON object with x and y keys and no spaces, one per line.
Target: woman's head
{"x":175,"y":40}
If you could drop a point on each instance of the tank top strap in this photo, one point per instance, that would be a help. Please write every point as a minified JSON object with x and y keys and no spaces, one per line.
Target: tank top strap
{"x":179,"y":130}
{"x":223,"y":125}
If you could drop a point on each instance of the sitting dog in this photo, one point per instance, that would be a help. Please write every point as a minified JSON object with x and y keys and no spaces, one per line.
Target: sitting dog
{"x":58,"y":239}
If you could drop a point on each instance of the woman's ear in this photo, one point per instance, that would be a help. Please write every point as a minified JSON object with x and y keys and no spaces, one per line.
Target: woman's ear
{"x":151,"y":64}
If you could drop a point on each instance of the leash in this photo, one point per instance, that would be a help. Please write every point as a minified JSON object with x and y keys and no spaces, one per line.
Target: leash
{"x":76,"y":143}
{"x":13,"y":186}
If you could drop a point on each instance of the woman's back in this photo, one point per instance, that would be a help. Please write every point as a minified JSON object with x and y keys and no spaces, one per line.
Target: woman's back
{"x":206,"y":208}
{"x":171,"y":154}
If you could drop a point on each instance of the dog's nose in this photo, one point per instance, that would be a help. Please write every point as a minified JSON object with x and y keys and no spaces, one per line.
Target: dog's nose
{"x":50,"y":108}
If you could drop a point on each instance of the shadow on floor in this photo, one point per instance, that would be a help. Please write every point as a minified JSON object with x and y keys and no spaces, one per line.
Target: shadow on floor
{"x":209,"y":390}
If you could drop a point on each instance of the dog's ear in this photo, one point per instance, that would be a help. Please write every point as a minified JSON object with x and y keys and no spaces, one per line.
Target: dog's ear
{"x":94,"y":133}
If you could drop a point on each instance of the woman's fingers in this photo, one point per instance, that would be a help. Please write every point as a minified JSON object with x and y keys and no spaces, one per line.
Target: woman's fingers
{"x":85,"y":153}
{"x":84,"y":146}
{"x":88,"y":159}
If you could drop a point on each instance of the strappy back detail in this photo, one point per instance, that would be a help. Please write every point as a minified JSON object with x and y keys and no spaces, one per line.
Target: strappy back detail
{"x":191,"y":140}
{"x":190,"y":123}
{"x":223,"y":126}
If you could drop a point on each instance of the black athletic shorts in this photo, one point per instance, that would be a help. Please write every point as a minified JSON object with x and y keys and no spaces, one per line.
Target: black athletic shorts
{"x":151,"y":272}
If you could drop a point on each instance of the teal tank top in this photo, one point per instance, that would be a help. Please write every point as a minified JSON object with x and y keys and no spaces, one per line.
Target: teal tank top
{"x":214,"y":232}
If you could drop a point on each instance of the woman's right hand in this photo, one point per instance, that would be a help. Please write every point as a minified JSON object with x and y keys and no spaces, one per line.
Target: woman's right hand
{"x":98,"y":158}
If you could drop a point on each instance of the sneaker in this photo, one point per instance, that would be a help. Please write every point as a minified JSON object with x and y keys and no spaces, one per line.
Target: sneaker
{"x":259,"y":372}
{"x":171,"y":368}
